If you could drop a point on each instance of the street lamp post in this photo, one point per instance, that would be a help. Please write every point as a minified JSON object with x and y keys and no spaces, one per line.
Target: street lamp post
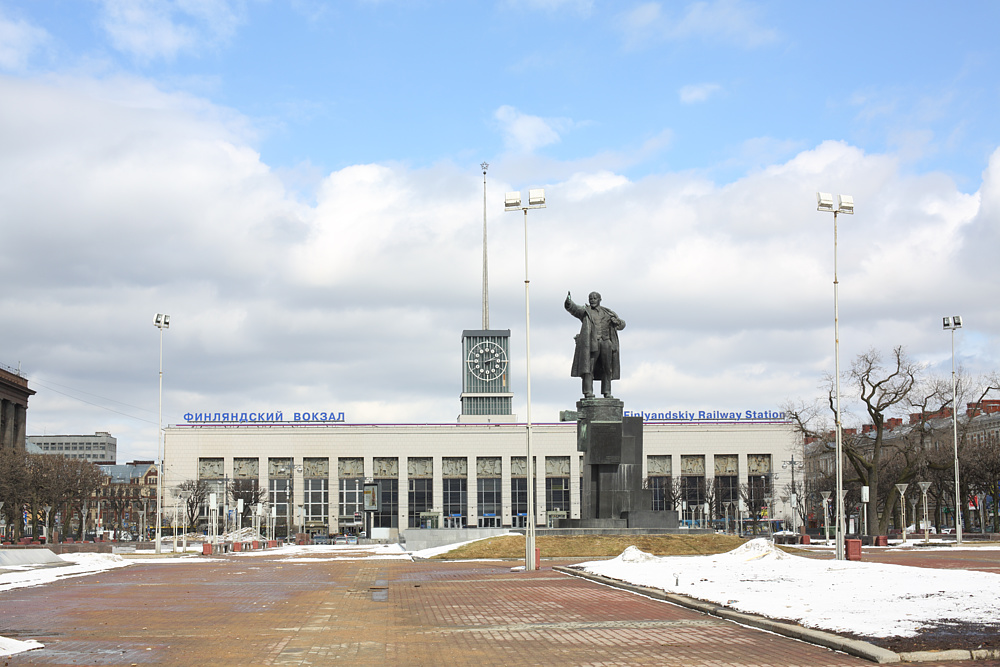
{"x":950,"y":324}
{"x":512,"y":202}
{"x":902,"y":507}
{"x":161,"y":322}
{"x":826,"y":514}
{"x":845,"y":204}
{"x":794,"y":465}
{"x":923,"y":490}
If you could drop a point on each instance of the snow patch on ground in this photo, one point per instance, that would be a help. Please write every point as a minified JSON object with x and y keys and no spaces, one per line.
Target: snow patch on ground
{"x":868,"y":599}
{"x":12,"y":646}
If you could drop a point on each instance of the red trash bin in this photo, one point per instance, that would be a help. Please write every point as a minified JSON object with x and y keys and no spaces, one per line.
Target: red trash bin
{"x":804,"y":539}
{"x":853,"y":549}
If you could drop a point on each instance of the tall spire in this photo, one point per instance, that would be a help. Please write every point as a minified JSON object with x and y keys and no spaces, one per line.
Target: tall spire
{"x":486,"y":284}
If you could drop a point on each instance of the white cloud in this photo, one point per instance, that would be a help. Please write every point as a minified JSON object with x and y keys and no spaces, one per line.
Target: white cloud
{"x":526,"y":133}
{"x":698,"y":92}
{"x":19,"y":40}
{"x":149,"y":29}
{"x":119,"y":200}
{"x":732,"y":22}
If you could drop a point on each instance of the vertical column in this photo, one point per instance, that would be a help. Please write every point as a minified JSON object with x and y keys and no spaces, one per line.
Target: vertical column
{"x":438,"y":491}
{"x":472,"y":487}
{"x":403,"y":493}
{"x":20,"y":425}
{"x":7,"y":424}
{"x":298,"y":497}
{"x":505,"y":498}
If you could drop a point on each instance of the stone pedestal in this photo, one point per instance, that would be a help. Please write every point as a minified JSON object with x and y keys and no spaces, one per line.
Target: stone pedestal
{"x":613,"y":493}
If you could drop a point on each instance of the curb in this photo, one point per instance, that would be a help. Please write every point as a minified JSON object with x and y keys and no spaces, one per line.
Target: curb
{"x":857,"y":648}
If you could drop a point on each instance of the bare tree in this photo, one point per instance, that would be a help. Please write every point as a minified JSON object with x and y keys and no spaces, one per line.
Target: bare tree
{"x":881,"y":388}
{"x":756,"y":495}
{"x":15,"y":489}
{"x":249,"y":491}
{"x":195,"y":493}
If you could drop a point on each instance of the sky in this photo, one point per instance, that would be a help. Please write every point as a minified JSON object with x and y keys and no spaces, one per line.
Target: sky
{"x":298,"y":185}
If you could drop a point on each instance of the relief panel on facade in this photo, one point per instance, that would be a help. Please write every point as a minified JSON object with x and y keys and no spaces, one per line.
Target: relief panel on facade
{"x":246,"y":468}
{"x":279,"y":468}
{"x":758,"y":464}
{"x":210,"y":469}
{"x":350,"y":467}
{"x":488,"y":466}
{"x":658,"y":465}
{"x":316,"y":468}
{"x":726,"y":465}
{"x":693,"y":466}
{"x":557,"y":466}
{"x":420,"y":466}
{"x":452,"y":466}
{"x":386,"y":466}
{"x":518,"y":466}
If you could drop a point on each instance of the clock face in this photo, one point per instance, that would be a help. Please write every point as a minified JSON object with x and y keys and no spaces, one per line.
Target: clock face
{"x":487,"y":361}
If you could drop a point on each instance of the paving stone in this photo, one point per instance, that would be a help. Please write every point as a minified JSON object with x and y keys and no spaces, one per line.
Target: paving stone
{"x":265,"y":610}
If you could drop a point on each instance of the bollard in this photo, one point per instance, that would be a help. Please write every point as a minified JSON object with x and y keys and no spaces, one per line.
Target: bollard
{"x":853,"y":549}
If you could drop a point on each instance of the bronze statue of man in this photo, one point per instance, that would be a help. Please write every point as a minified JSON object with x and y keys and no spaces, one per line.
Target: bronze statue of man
{"x":596,"y":353}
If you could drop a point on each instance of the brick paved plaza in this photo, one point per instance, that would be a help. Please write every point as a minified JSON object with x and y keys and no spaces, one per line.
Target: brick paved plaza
{"x":280,"y":610}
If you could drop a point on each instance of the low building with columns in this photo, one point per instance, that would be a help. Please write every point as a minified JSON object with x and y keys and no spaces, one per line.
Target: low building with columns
{"x":475,"y":474}
{"x":14,"y":394}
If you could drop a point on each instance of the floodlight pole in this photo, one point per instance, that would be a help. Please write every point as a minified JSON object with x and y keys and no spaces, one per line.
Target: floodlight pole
{"x":536,"y":199}
{"x":845,"y":204}
{"x":161,"y":322}
{"x":952,"y":323}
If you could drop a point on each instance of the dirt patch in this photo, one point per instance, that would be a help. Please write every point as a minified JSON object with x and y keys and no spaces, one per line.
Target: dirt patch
{"x":944,"y":635}
{"x":596,"y":546}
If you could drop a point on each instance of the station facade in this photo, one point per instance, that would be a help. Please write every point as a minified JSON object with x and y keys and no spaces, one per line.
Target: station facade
{"x":467,"y":474}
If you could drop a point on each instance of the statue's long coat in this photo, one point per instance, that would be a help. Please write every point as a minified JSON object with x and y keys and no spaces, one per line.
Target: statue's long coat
{"x":587,"y":340}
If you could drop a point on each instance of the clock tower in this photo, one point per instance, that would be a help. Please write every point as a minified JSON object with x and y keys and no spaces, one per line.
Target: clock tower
{"x":486,"y":395}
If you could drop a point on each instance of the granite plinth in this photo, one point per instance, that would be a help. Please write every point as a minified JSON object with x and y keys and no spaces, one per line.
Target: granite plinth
{"x":612,"y":468}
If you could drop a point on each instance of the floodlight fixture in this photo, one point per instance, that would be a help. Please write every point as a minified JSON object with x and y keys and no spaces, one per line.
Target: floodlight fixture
{"x":845,"y":204}
{"x":824,"y":201}
{"x":512,"y":201}
{"x":161,"y":321}
{"x":952,"y":323}
{"x":536,"y":197}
